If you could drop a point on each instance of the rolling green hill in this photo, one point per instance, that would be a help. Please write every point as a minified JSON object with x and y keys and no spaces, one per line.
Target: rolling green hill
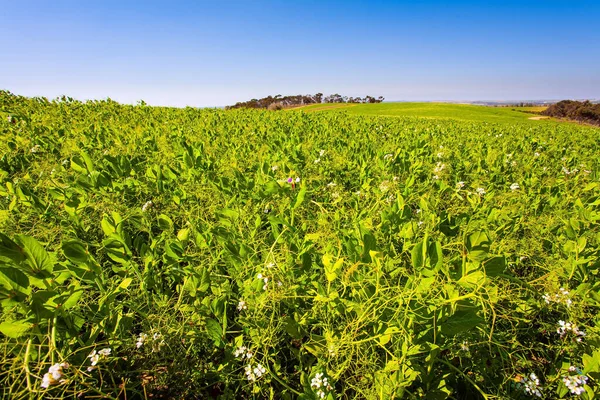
{"x":463,"y":112}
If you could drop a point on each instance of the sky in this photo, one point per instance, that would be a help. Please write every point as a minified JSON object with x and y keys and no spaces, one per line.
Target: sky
{"x":214,"y":53}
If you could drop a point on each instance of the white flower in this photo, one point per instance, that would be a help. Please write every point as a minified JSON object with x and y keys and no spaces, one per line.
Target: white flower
{"x":141,"y":339}
{"x":566,"y":327}
{"x":440,"y":155}
{"x":514,"y":186}
{"x":536,"y":154}
{"x":562,"y":296}
{"x":94,"y":357}
{"x":242,"y":305}
{"x":384,"y":186}
{"x":252,"y":374}
{"x":65,"y":162}
{"x":480,"y":191}
{"x":54,"y":375}
{"x":259,"y":276}
{"x":460,"y":185}
{"x":239,"y":352}
{"x":274,"y":168}
{"x":106,"y":352}
{"x":531,"y":385}
{"x":439,"y":167}
{"x":388,"y":156}
{"x":464,"y":346}
{"x":317,"y":160}
{"x":270,"y":265}
{"x":321,"y":153}
{"x":331,"y":184}
{"x":575,"y":383}
{"x":297,"y":180}
{"x":35,"y":148}
{"x":147,"y":205}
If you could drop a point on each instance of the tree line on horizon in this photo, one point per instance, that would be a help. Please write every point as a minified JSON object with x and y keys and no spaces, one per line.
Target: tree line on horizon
{"x":279,"y":102}
{"x":582,"y":111}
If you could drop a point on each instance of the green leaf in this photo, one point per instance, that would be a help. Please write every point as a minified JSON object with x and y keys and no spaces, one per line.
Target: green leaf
{"x":125,"y":283}
{"x":73,"y":298}
{"x":478,"y":246}
{"x":494,"y":266}
{"x":10,"y":249}
{"x":300,"y":198}
{"x":15,"y":329}
{"x":14,"y":279}
{"x":214,"y":331}
{"x":116,"y":249}
{"x":75,"y":251}
{"x":37,"y":256}
{"x":465,"y":318}
{"x":165,"y":223}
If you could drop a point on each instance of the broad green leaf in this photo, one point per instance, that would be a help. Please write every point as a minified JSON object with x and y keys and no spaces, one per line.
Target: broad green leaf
{"x":15,"y":329}
{"x":37,"y":256}
{"x":165,"y":223}
{"x":214,"y":331}
{"x":494,"y":266}
{"x":75,"y":251}
{"x":10,"y":249}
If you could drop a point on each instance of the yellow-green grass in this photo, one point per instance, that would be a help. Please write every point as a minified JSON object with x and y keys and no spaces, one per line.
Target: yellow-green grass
{"x":464,"y":112}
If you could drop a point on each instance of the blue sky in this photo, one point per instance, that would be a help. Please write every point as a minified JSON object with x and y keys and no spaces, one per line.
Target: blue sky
{"x":213,"y":53}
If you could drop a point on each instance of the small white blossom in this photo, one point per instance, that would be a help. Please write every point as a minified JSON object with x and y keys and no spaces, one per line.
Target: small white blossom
{"x":321,"y":153}
{"x":460,"y":185}
{"x":259,"y":276}
{"x":536,"y":154}
{"x":105,"y":352}
{"x":297,"y":180}
{"x":242,"y":305}
{"x":480,"y":191}
{"x":254,"y":373}
{"x":514,"y":186}
{"x":566,"y":327}
{"x":141,"y":339}
{"x":531,"y":385}
{"x":575,"y":383}
{"x":388,"y":156}
{"x":562,"y":296}
{"x":54,"y":375}
{"x":317,"y":160}
{"x":274,"y":168}
{"x":243,"y":352}
{"x":331,"y":184}
{"x":147,"y":205}
{"x":321,"y":385}
{"x":439,"y":167}
{"x":36,"y":148}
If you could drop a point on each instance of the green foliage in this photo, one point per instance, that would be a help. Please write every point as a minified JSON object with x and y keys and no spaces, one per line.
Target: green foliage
{"x":252,"y":254}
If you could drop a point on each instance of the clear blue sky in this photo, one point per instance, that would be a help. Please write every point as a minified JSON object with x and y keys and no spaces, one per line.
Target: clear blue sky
{"x":211,"y":53}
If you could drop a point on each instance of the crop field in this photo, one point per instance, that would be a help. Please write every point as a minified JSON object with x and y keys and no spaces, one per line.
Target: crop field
{"x":152,"y":252}
{"x":461,"y":112}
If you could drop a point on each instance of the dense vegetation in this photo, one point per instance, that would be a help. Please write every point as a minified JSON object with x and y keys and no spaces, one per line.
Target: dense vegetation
{"x":279,"y":102}
{"x":192,"y":253}
{"x":582,"y":111}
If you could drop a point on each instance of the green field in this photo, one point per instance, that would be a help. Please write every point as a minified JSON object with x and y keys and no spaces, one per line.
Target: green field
{"x":370,"y":252}
{"x":463,"y":112}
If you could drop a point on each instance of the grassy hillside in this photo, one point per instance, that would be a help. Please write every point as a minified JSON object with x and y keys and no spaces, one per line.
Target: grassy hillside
{"x":462,"y":112}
